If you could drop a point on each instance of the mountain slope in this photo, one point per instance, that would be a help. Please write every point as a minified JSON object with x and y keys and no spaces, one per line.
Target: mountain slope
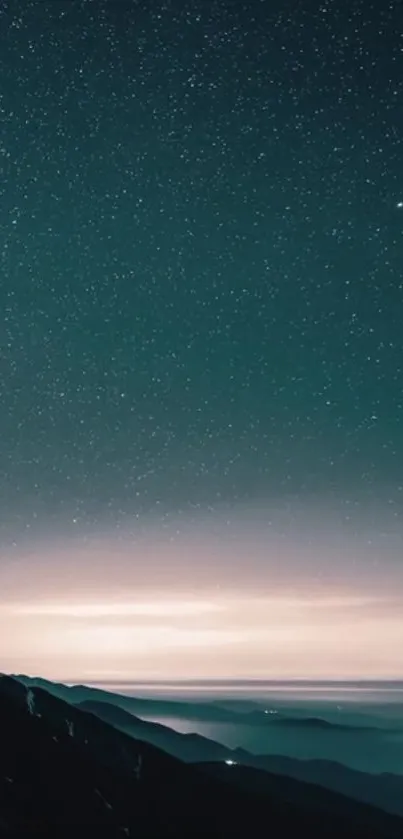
{"x":200,"y":711}
{"x":381,"y":790}
{"x":384,"y":791}
{"x":191,"y":748}
{"x":62,"y":769}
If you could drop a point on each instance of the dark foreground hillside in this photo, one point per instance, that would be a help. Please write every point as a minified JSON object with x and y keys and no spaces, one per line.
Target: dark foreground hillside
{"x":63,"y":770}
{"x":131,"y":715}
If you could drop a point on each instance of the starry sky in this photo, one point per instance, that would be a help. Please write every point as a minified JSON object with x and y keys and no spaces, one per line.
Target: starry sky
{"x":201,"y":351}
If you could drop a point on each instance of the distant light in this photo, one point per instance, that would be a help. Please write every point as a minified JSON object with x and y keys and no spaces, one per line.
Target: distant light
{"x":399,"y":205}
{"x":231,"y":762}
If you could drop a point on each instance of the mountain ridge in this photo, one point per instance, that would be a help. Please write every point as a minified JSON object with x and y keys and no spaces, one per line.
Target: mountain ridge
{"x":383,"y":790}
{"x":62,"y":735}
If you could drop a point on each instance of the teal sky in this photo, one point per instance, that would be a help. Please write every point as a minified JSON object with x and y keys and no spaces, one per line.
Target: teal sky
{"x":201,"y":294}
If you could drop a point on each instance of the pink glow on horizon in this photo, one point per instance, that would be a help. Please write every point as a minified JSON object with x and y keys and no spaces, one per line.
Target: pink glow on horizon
{"x":197,"y":609}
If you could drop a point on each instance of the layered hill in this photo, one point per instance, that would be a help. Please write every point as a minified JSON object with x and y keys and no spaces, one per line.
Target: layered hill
{"x":64,"y":769}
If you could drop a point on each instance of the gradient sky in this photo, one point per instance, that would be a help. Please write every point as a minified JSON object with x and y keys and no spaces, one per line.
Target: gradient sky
{"x":201,"y":352}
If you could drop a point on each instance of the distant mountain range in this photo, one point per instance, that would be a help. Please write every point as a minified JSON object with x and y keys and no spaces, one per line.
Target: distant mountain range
{"x":383,"y":790}
{"x":190,"y":710}
{"x":81,"y":757}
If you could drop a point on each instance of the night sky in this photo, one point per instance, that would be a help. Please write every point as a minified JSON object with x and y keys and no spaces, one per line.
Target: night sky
{"x":201,"y":368}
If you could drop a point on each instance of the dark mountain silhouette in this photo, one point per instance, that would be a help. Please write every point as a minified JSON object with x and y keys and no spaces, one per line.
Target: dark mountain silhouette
{"x":191,"y":710}
{"x":190,"y":748}
{"x":267,"y":783}
{"x":202,"y":712}
{"x":383,"y":790}
{"x":62,"y":769}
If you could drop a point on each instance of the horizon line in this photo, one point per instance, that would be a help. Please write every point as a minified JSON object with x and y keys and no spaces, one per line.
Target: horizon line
{"x":301,"y":681}
{"x":245,"y":681}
